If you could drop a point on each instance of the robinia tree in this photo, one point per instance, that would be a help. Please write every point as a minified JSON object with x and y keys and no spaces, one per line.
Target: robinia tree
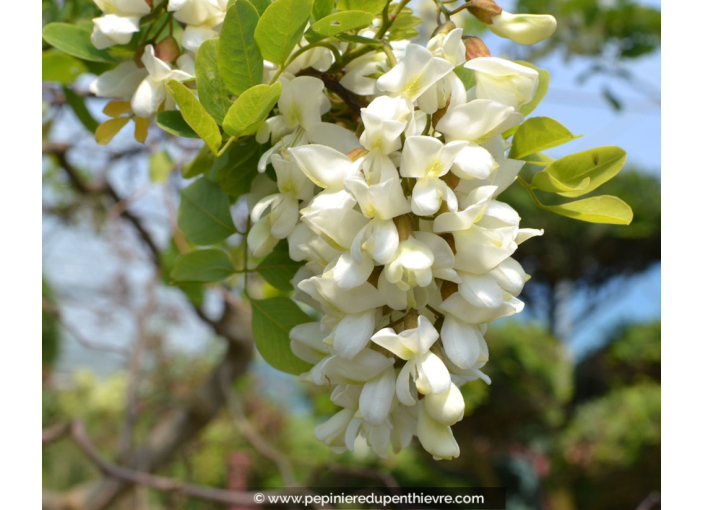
{"x":372,"y":168}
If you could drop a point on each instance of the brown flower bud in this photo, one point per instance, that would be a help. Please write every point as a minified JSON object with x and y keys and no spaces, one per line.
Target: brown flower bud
{"x":474,"y":47}
{"x":167,"y":50}
{"x":445,"y":28}
{"x":484,"y":10}
{"x":150,"y":3}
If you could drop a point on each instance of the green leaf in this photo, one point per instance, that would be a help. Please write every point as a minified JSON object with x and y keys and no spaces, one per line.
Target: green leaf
{"x":602,"y":209}
{"x":278,"y":269}
{"x":60,"y":67}
{"x":195,"y":115}
{"x":239,"y":59}
{"x":160,"y":165}
{"x":172,"y":122}
{"x":337,"y":23}
{"x":538,"y":134}
{"x":237,"y":167}
{"x":546,"y":182}
{"x":272,"y":320}
{"x":204,"y":214}
{"x":373,"y":6}
{"x":280,"y":28}
{"x":202,"y":266}
{"x":259,"y":5}
{"x":198,"y":165}
{"x":599,"y":165}
{"x":74,"y":40}
{"x":543,"y":84}
{"x":78,"y":105}
{"x":251,"y":108}
{"x":322,"y":8}
{"x":211,"y":89}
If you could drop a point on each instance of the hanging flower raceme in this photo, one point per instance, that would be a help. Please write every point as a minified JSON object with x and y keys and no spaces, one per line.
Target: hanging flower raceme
{"x":380,"y":164}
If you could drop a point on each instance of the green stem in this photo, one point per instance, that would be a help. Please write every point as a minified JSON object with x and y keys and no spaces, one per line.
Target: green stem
{"x":527,"y":186}
{"x":224,"y":147}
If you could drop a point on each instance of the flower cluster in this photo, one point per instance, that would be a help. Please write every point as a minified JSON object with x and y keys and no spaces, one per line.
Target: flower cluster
{"x":407,"y":251}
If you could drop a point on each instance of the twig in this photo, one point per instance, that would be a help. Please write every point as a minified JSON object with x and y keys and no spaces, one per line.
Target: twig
{"x":51,"y":434}
{"x":78,"y":433}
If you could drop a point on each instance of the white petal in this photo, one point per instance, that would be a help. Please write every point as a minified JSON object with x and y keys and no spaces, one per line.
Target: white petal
{"x":481,"y":291}
{"x":148,"y":98}
{"x":348,"y":273}
{"x":325,"y":166}
{"x":376,"y":397}
{"x":436,"y":438}
{"x":403,"y":385}
{"x":391,"y":341}
{"x":462,"y":342}
{"x":432,"y":375}
{"x":446,"y":408}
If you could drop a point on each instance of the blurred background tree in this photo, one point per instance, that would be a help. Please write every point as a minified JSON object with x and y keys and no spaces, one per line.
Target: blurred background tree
{"x":163,"y":377}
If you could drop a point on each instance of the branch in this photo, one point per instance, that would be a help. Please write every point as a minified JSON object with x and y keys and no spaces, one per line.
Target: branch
{"x":350,"y":98}
{"x":78,"y":434}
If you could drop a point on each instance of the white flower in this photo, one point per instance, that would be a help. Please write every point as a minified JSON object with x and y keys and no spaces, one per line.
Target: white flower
{"x":414,"y":74}
{"x":199,"y":12}
{"x":504,"y":81}
{"x":523,"y":28}
{"x":151,"y":93}
{"x":426,"y":369}
{"x":120,"y":21}
{"x":478,"y":120}
{"x":426,"y":159}
{"x":412,"y":265}
{"x":357,"y":72}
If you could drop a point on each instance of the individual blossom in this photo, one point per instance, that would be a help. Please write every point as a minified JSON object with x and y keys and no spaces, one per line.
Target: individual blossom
{"x":119,"y":22}
{"x":503,"y":81}
{"x":201,"y":17}
{"x":151,"y":93}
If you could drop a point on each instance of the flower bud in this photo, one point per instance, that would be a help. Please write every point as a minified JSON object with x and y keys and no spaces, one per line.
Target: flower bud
{"x":167,"y":50}
{"x":474,"y":47}
{"x":445,"y":28}
{"x":523,"y":28}
{"x":484,"y":10}
{"x":446,"y":408}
